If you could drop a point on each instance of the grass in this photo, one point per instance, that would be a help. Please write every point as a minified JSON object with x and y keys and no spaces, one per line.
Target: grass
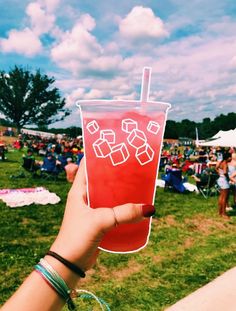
{"x":189,"y":246}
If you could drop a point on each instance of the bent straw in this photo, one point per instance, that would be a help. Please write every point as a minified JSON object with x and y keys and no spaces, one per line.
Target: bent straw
{"x":145,"y":84}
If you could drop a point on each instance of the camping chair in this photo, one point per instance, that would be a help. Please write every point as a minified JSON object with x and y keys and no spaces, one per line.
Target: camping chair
{"x":208,"y":187}
{"x":2,"y":152}
{"x":49,"y":169}
{"x":29,"y":167}
{"x":174,"y":181}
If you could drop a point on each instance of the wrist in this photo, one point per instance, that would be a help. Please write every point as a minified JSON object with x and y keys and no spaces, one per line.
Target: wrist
{"x":70,"y":277}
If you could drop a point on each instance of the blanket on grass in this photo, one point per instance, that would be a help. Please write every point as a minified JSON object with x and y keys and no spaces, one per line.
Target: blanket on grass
{"x":26,"y":196}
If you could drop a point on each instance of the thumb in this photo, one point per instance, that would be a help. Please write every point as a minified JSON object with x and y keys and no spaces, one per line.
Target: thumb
{"x":123,"y":214}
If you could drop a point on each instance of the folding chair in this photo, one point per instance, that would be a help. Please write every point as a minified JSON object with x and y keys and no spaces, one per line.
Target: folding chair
{"x":173,"y":180}
{"x":49,"y":170}
{"x":28,"y":166}
{"x":208,"y":187}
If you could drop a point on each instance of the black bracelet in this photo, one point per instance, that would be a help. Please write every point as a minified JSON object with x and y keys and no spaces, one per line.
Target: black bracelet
{"x":67,"y":263}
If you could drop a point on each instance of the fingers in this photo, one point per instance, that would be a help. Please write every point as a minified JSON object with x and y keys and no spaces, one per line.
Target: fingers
{"x":78,"y":190}
{"x":131,"y":213}
{"x":80,"y":178}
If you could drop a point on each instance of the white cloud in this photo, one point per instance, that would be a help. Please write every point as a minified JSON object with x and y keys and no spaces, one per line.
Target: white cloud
{"x":27,"y":41}
{"x":77,"y":47}
{"x":96,"y":94}
{"x":105,"y":63}
{"x":41,"y":21}
{"x":87,"y":22}
{"x":23,"y":42}
{"x":233,"y":62}
{"x":74,"y":96}
{"x":141,"y":23}
{"x":50,"y":5}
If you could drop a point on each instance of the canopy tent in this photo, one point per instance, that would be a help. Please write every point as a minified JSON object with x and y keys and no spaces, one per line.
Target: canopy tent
{"x":221,"y":139}
{"x":37,"y":133}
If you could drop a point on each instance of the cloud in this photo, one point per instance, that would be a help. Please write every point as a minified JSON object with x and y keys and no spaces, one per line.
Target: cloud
{"x":50,"y":5}
{"x":23,"y":42}
{"x":27,"y":41}
{"x":77,"y":47}
{"x":41,"y":21}
{"x":74,"y":96}
{"x":233,"y":62}
{"x":141,"y":23}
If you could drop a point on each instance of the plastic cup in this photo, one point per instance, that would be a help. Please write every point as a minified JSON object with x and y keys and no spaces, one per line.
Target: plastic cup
{"x":122,"y":143}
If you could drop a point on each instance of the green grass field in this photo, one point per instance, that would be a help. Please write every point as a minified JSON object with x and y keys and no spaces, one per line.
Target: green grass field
{"x":189,"y":246}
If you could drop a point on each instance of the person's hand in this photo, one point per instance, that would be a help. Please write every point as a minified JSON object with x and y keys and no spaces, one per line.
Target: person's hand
{"x":83,"y":227}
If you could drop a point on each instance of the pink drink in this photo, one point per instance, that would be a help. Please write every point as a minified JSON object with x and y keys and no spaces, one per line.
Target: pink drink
{"x":122,"y":142}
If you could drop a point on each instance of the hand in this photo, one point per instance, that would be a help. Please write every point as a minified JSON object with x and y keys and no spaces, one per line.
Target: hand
{"x":83,"y":228}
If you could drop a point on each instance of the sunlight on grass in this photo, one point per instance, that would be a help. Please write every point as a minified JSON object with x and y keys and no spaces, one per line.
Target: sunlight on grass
{"x":189,"y":246}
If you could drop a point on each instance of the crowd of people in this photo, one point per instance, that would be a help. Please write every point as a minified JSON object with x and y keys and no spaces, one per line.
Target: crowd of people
{"x":51,"y":155}
{"x":63,"y":154}
{"x":200,"y":163}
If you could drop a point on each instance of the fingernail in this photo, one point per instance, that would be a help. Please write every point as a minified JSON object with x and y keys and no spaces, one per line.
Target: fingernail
{"x":148,"y":210}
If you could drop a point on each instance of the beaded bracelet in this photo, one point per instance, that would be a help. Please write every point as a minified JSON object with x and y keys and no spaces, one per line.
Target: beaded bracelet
{"x":54,"y":280}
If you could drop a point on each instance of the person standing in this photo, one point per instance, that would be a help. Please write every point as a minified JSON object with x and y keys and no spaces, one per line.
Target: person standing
{"x":223,"y":183}
{"x":232,"y":177}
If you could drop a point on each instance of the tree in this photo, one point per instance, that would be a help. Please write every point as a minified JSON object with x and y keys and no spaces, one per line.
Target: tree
{"x":172,"y":129}
{"x":29,"y":98}
{"x":187,"y":128}
{"x":205,"y":129}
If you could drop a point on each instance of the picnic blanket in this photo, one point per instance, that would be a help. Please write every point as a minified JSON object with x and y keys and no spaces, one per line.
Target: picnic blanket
{"x":188,"y":186}
{"x":27,"y":196}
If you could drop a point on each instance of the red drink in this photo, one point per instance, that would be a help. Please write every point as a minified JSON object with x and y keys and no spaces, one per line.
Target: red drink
{"x":122,"y":142}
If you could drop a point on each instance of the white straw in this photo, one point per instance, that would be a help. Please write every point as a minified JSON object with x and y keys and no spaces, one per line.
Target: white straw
{"x":145,"y":84}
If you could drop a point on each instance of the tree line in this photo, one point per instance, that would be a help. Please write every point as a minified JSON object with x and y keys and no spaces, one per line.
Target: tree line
{"x":206,"y":129}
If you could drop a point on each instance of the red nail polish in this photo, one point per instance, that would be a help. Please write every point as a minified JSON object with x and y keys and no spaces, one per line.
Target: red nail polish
{"x":148,"y":210}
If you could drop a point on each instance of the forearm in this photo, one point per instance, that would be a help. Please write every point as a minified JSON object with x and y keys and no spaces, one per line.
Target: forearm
{"x":36,"y":295}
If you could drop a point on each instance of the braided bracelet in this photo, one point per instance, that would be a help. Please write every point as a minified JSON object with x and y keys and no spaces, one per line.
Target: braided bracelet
{"x":67,"y":263}
{"x":55,"y":281}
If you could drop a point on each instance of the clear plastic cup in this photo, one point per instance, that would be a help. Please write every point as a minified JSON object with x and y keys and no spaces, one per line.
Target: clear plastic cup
{"x":122,"y":144}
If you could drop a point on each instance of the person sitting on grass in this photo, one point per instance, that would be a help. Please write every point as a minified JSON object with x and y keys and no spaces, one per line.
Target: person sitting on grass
{"x":49,"y":164}
{"x":29,"y":162}
{"x":202,"y":178}
{"x":2,"y":151}
{"x":71,"y":170}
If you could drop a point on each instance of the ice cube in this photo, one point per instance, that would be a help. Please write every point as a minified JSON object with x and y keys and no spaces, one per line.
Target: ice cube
{"x":101,"y":148}
{"x":128,"y":125}
{"x":119,"y":154}
{"x":109,"y":135}
{"x":137,"y":138}
{"x":92,"y":127}
{"x":153,"y":127}
{"x":144,"y":154}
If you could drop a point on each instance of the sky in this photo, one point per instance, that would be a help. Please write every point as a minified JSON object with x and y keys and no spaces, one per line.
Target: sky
{"x":97,"y":50}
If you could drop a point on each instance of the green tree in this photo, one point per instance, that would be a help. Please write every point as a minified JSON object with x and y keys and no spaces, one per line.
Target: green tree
{"x":187,"y":128}
{"x":205,"y":129}
{"x":30,"y":98}
{"x":172,"y":129}
{"x":224,"y":122}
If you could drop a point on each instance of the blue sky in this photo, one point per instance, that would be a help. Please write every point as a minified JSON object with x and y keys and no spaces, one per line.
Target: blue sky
{"x":97,"y":49}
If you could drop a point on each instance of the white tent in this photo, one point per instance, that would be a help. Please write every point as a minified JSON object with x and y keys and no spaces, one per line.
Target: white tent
{"x":37,"y":133}
{"x":221,"y":139}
